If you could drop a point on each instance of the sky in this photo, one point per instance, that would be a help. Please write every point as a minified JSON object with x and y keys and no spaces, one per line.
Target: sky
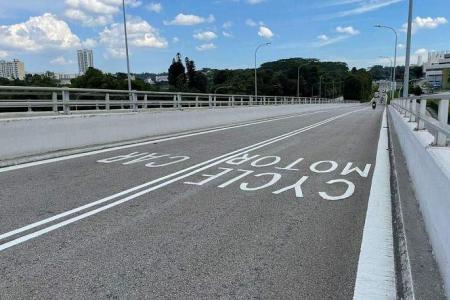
{"x":45,"y":34}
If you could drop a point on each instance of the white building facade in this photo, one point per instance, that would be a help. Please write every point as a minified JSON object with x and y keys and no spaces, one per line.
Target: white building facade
{"x":436,"y":67}
{"x":12,"y":69}
{"x":85,"y":60}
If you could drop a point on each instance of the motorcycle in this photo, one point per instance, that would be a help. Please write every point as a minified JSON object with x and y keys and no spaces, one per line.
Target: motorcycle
{"x":374,"y":105}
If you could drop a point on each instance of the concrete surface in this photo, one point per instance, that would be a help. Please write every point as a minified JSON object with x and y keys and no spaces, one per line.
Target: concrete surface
{"x":430,"y":175}
{"x":214,"y":225}
{"x":25,"y":136}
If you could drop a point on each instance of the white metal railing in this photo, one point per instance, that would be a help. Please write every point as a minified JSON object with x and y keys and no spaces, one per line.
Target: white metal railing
{"x":415,"y":109}
{"x":65,"y":100}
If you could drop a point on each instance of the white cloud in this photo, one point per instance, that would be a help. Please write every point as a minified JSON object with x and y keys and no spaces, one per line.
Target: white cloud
{"x":265,"y":32}
{"x":175,"y":40}
{"x":88,"y":20}
{"x":206,"y":47}
{"x":38,"y":33}
{"x":61,"y":61}
{"x":251,"y":23}
{"x":324,"y":40}
{"x":401,"y":46}
{"x":425,"y":23}
{"x":155,"y":7}
{"x":3,"y":54}
{"x":364,"y":6}
{"x":89,"y":43}
{"x":253,"y":2}
{"x":323,"y":37}
{"x":189,"y":20}
{"x":205,"y":36}
{"x":96,"y":12}
{"x":227,"y":34}
{"x":227,"y":25}
{"x":140,"y":34}
{"x":347,"y":30}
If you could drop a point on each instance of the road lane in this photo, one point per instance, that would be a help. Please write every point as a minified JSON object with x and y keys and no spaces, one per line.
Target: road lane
{"x":42,"y":191}
{"x":206,"y":241}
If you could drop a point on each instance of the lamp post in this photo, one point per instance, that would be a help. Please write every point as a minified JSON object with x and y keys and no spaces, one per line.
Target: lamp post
{"x":256,"y":70}
{"x":320,"y":86}
{"x":408,"y":51}
{"x":392,"y":83}
{"x":126,"y":47}
{"x":298,"y":79}
{"x":395,"y":55}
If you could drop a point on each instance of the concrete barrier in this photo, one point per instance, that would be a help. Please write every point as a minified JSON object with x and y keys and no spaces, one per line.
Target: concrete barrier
{"x":21,"y":137}
{"x":429,"y":168}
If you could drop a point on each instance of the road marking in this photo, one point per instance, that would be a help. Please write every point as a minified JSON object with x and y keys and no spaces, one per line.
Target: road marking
{"x":73,"y":156}
{"x":375,"y":278}
{"x":196,"y":169}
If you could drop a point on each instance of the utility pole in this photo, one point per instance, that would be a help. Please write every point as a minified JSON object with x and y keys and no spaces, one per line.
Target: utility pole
{"x":408,"y":51}
{"x":126,"y":48}
{"x":394,"y":77}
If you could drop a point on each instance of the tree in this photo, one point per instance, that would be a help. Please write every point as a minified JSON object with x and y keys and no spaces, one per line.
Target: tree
{"x":177,"y":77}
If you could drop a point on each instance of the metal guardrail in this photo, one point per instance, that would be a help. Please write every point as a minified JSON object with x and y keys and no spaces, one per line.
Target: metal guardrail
{"x":65,"y":100}
{"x":415,"y":109}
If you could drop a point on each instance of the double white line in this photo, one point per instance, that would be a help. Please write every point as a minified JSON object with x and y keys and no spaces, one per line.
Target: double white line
{"x":145,"y":188}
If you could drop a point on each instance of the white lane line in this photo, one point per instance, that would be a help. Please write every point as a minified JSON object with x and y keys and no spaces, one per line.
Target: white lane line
{"x":375,"y":278}
{"x":123,"y":193}
{"x":95,"y":152}
{"x":163,"y":184}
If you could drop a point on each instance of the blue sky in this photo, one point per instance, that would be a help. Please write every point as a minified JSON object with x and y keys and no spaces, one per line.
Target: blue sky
{"x":215,"y":33}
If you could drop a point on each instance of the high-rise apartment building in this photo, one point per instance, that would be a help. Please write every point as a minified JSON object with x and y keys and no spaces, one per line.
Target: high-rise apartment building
{"x":85,"y":60}
{"x":12,"y":69}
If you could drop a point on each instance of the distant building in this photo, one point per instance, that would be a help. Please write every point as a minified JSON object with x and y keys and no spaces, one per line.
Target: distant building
{"x":162,"y":78}
{"x":149,"y":81}
{"x":64,"y":79}
{"x":85,"y":60}
{"x":437,"y":69}
{"x":12,"y":69}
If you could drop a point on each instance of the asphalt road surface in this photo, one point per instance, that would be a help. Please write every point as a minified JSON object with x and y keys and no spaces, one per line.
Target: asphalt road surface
{"x":273,"y":210}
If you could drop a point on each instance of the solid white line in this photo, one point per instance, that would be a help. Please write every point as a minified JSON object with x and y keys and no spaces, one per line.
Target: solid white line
{"x":136,"y":188}
{"x":375,"y":278}
{"x":108,"y":206}
{"x":84,"y":154}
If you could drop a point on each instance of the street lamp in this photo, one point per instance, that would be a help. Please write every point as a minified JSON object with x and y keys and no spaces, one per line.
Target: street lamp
{"x":320,"y":86}
{"x":126,"y":47}
{"x":298,"y":79}
{"x":395,"y":53}
{"x":256,"y":72}
{"x":408,"y":51}
{"x":392,"y":83}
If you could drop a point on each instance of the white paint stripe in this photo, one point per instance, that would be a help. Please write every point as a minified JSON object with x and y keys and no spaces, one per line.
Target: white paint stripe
{"x":375,"y":278}
{"x":67,"y":157}
{"x":123,"y":193}
{"x":100,"y":209}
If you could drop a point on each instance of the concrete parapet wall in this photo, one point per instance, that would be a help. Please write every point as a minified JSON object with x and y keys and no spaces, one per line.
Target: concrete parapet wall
{"x":21,"y":137}
{"x":429,"y":168}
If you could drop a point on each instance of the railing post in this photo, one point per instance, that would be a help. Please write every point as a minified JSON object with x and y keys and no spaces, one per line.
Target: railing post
{"x":242,"y":101}
{"x":196,"y":101}
{"x":55,"y":101}
{"x":209,"y":101}
{"x":66,"y":104}
{"x":179,"y":99}
{"x":145,"y":101}
{"x":250,"y":100}
{"x":215,"y":100}
{"x":134,"y":100}
{"x":443,"y":122}
{"x":232,"y":100}
{"x":422,"y":113}
{"x":412,"y":108}
{"x":174,"y":101}
{"x":107,"y":103}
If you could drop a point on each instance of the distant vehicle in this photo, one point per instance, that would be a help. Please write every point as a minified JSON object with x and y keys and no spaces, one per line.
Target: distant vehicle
{"x":374,"y":104}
